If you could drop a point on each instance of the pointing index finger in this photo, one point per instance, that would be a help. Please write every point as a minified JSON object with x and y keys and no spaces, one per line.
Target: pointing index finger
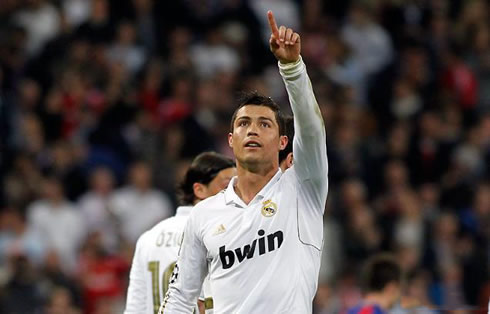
{"x":272,"y":24}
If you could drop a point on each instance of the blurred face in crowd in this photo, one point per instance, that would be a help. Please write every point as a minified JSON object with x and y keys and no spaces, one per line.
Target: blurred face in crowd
{"x":220,"y":182}
{"x":60,"y":302}
{"x":140,"y":176}
{"x":396,"y":175}
{"x":102,"y":181}
{"x":99,"y":10}
{"x":353,"y":193}
{"x":52,"y":190}
{"x":255,"y":138}
{"x":446,"y":227}
{"x":126,"y":33}
{"x":482,"y":200}
{"x":359,"y":15}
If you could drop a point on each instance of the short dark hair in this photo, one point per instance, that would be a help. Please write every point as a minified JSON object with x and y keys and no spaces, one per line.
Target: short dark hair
{"x":379,"y":271}
{"x":256,"y":99}
{"x":204,"y":168}
{"x":289,"y":132}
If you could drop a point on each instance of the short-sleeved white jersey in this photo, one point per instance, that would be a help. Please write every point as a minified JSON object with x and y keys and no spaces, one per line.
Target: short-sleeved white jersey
{"x":263,"y":257}
{"x":154,"y":258}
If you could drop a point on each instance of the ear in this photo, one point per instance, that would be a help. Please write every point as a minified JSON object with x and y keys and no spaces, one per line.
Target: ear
{"x":289,"y":160}
{"x":230,"y":140}
{"x":283,"y":142}
{"x":199,"y":190}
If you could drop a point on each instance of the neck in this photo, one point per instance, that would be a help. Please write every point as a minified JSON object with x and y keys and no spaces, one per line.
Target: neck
{"x":250,"y":181}
{"x":141,"y":189}
{"x":19,"y":228}
{"x":56,"y":202}
{"x":379,"y":299}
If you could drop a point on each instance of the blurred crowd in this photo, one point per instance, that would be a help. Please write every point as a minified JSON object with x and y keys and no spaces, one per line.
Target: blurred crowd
{"x":103,"y":103}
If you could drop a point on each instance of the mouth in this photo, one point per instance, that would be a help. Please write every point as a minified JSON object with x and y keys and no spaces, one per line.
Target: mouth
{"x":252,"y":144}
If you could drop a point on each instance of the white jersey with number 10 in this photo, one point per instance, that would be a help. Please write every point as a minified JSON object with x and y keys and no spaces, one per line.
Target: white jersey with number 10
{"x":153,"y":262}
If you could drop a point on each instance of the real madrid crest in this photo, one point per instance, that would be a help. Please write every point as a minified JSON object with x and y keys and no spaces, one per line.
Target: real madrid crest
{"x":269,"y":209}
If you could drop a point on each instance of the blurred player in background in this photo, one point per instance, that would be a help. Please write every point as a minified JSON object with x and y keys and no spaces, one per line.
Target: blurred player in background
{"x":157,"y":249}
{"x":381,"y":281}
{"x":260,"y":240}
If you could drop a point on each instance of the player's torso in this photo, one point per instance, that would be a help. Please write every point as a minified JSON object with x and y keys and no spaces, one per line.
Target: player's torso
{"x":255,"y":249}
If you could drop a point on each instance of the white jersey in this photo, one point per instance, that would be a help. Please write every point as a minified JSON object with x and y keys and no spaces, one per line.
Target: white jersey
{"x":263,"y":257}
{"x":154,"y":258}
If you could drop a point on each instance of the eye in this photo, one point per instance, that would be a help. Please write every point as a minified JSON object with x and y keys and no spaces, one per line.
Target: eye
{"x":243,"y":123}
{"x":265,"y":124}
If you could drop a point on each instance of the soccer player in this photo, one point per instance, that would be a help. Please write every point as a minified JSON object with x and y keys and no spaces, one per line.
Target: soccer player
{"x":381,"y":283}
{"x":157,"y":249}
{"x":260,"y":240}
{"x":286,"y":155}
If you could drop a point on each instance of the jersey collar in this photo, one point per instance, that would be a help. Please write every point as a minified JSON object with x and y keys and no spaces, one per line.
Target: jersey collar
{"x":183,"y":211}
{"x":232,"y":197}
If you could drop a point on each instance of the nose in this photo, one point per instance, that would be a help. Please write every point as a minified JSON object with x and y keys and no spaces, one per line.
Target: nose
{"x":252,"y":130}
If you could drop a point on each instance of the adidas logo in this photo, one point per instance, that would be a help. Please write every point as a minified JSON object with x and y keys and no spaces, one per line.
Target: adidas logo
{"x":221,"y":229}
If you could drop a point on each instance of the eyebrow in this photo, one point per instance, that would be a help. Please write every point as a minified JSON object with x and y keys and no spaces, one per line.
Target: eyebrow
{"x":259,"y":118}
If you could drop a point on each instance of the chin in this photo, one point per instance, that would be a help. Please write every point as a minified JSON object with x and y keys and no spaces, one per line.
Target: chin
{"x":250,"y":159}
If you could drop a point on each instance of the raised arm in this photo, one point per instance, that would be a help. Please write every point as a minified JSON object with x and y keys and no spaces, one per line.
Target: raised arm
{"x":309,"y":145}
{"x":189,"y":272}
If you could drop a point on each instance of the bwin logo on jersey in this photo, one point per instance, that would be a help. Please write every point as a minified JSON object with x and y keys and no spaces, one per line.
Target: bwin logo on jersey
{"x":248,"y":251}
{"x":269,"y":209}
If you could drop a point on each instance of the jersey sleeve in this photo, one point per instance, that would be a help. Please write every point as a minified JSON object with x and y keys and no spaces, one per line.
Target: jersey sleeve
{"x":309,"y":145}
{"x":189,"y":272}
{"x":310,"y":165}
{"x":136,"y":298}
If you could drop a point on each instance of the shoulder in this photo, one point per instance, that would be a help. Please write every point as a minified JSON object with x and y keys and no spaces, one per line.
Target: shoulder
{"x":166,"y":223}
{"x":120,"y":195}
{"x":149,"y":235}
{"x":85,"y":198}
{"x":159,"y":195}
{"x":37,"y":206}
{"x":212,"y":202}
{"x":206,"y":207}
{"x":71,"y":207}
{"x":289,"y":175}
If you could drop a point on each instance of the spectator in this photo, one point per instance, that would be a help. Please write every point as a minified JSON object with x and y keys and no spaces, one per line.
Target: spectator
{"x":125,"y":49}
{"x":41,"y":21}
{"x":381,"y":282}
{"x":101,"y":275}
{"x":369,"y":42}
{"x":58,"y":223}
{"x":94,"y":206}
{"x":17,"y":239}
{"x":138,"y":206}
{"x":60,"y":303}
{"x":23,"y":291}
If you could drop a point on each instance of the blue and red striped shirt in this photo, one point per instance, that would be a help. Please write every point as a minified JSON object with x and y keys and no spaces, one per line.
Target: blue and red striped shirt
{"x":366,"y":309}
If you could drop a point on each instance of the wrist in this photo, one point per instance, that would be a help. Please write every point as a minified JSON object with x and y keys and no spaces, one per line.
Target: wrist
{"x":292,"y":68}
{"x":289,"y":62}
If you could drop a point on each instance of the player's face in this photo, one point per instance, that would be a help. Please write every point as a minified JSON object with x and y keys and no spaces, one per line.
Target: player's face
{"x":220,"y":181}
{"x":255,"y":138}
